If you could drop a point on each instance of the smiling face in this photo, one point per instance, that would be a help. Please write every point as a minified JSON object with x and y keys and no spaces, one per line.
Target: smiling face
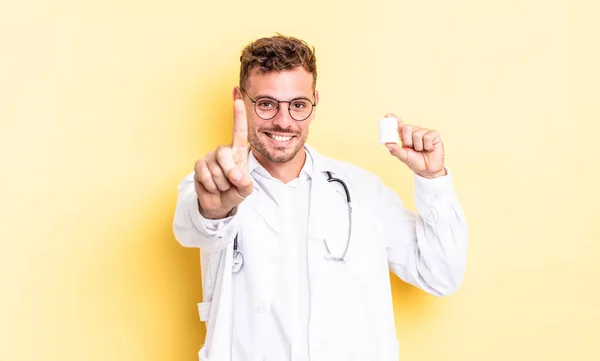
{"x":280,"y":139}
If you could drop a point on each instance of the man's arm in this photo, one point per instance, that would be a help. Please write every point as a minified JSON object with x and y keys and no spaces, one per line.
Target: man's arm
{"x":428,"y":249}
{"x":207,"y":197}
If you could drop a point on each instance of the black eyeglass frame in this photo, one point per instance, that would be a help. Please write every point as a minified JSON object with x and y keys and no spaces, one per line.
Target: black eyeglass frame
{"x":281,"y":101}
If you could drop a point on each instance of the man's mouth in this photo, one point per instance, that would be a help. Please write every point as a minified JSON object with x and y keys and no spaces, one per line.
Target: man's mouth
{"x":279,"y":138}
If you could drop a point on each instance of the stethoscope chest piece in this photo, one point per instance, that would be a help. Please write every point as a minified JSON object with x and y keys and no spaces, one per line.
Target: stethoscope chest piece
{"x":238,"y":261}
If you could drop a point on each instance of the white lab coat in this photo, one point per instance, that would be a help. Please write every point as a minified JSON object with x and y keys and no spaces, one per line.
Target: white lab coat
{"x":351,"y":311}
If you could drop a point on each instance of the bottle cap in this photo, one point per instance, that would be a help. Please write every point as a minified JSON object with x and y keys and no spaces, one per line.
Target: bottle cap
{"x":388,"y":123}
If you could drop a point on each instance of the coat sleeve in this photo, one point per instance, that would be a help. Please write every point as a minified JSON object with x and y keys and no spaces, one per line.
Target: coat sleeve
{"x":427,"y":249}
{"x":191,"y":229}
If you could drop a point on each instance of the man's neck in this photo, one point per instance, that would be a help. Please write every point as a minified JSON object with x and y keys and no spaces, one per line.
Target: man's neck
{"x":284,"y":172}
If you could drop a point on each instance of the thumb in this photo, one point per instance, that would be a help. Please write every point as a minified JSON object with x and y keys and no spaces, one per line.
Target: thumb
{"x":398,"y":152}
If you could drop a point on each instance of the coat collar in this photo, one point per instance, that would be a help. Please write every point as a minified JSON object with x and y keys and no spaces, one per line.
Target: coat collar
{"x":320,"y":163}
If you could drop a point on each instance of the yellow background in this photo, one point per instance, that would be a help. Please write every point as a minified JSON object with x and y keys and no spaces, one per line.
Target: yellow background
{"x":105,"y":106}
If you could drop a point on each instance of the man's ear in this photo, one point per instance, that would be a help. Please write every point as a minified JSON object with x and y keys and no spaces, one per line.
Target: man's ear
{"x":316,"y":97}
{"x":237,"y":93}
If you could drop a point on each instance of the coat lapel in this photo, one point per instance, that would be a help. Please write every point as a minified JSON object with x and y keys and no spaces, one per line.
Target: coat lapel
{"x":320,"y":197}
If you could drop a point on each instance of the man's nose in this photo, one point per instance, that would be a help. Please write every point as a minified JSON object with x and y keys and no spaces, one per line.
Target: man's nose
{"x":283,"y":118}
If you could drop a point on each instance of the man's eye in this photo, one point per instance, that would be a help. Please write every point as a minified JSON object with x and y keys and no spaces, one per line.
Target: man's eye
{"x":299,"y":105}
{"x":266,"y":104}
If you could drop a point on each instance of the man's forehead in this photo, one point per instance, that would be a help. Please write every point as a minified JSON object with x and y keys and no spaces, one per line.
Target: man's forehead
{"x":293,"y":80}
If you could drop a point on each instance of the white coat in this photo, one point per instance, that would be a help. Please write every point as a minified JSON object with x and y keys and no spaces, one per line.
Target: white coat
{"x":351,"y":311}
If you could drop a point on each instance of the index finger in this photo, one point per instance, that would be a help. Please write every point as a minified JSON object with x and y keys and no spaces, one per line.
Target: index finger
{"x":240,"y":124}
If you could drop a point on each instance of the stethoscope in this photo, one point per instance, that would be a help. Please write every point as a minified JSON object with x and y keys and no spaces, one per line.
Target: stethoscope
{"x":238,"y":257}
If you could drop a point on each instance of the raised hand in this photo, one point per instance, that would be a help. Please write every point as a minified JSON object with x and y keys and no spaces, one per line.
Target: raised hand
{"x":422,"y":149}
{"x":221,"y":177}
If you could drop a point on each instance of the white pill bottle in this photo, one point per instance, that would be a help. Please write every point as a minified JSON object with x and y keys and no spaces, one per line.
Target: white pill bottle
{"x":388,"y":130}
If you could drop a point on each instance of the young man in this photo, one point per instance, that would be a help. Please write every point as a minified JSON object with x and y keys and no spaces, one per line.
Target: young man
{"x":296,"y":247}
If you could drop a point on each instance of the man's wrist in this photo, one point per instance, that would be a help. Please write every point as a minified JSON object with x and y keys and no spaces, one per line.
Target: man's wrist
{"x":441,"y":173}
{"x":213,"y":215}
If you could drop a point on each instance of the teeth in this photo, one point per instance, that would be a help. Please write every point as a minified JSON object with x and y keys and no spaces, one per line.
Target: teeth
{"x":280,"y":138}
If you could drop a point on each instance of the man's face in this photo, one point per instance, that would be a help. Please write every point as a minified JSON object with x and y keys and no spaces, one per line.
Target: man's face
{"x":281,"y":138}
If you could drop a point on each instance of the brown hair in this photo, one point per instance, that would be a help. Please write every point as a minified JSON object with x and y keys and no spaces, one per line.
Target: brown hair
{"x":277,"y":53}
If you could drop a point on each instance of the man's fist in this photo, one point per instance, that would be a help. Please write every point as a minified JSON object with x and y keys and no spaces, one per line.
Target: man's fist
{"x":422,"y":149}
{"x":221,"y":177}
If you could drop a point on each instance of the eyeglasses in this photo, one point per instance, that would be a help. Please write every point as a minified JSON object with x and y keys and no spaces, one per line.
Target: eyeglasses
{"x":267,"y":108}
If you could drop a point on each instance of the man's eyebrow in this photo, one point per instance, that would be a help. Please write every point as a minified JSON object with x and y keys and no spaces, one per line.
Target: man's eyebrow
{"x":272,"y":97}
{"x":263,"y":96}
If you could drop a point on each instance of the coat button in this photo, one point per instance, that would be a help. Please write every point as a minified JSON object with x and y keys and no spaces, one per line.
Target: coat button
{"x":264,"y":307}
